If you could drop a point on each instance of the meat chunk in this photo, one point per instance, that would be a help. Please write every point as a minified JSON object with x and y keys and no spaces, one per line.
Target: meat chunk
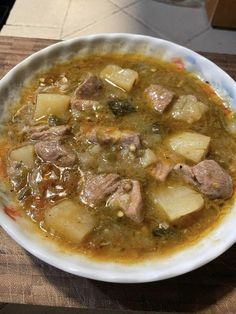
{"x":53,"y":151}
{"x":209,"y":177}
{"x":158,"y":97}
{"x":111,"y":135}
{"x":78,"y":105}
{"x":128,"y":198}
{"x":90,"y":87}
{"x":101,"y":134}
{"x":98,"y":187}
{"x":35,"y":129}
{"x":45,"y":133}
{"x":161,"y":170}
{"x":129,"y":139}
{"x":186,"y":172}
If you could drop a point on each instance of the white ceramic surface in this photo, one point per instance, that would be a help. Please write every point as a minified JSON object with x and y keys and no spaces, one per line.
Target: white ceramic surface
{"x":214,"y":244}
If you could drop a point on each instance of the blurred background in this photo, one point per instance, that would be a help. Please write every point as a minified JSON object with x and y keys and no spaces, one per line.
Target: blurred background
{"x":182,"y":21}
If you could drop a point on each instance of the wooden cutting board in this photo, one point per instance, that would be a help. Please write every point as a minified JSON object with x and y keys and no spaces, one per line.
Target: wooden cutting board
{"x":25,"y":279}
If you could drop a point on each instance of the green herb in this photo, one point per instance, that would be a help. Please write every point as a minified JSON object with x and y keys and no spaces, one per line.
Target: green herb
{"x":156,"y":128}
{"x":121,"y":107}
{"x":164,"y":231}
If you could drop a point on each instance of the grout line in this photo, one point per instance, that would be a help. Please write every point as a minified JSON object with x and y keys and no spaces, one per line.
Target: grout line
{"x":188,"y":41}
{"x":116,"y":5}
{"x":65,"y":17}
{"x":125,"y":6}
{"x":94,"y":22}
{"x":116,"y":12}
{"x":119,"y":9}
{"x":147,"y":26}
{"x":144,"y":24}
{"x":161,"y":34}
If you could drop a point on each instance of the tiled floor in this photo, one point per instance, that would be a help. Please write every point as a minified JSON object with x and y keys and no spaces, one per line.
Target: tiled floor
{"x":63,"y":19}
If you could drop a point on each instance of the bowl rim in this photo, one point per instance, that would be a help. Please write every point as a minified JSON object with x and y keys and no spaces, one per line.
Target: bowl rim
{"x":110,"y":275}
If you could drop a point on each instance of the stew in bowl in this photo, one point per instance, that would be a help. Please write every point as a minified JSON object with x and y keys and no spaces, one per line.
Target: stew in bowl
{"x":122,"y":157}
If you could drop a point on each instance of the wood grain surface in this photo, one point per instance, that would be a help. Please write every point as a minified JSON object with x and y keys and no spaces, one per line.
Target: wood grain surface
{"x":25,"y":279}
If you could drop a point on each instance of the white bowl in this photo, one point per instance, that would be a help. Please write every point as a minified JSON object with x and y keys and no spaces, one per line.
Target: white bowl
{"x":200,"y":253}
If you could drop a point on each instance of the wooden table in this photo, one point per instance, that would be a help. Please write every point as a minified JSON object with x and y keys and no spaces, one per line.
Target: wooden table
{"x":25,"y":279}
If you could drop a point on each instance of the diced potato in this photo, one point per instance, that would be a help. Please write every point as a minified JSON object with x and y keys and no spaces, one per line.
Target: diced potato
{"x":192,"y":146}
{"x":230,"y":123}
{"x":123,"y":78}
{"x":24,"y":154}
{"x":70,"y":220}
{"x":52,"y":104}
{"x":179,"y":201}
{"x":148,"y":158}
{"x":188,"y":108}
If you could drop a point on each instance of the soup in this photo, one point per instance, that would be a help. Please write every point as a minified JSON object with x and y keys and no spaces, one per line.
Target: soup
{"x":119,"y":157}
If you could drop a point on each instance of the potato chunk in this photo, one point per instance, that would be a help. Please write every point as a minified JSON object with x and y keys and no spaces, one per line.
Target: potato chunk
{"x":52,"y":104}
{"x":148,"y":158}
{"x":69,"y":220}
{"x":122,"y":78}
{"x":24,"y":154}
{"x":179,"y":201}
{"x":188,"y":108}
{"x":192,"y":146}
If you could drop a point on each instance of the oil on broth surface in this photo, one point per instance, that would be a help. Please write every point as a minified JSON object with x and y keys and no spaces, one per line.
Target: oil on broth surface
{"x":106,"y":231}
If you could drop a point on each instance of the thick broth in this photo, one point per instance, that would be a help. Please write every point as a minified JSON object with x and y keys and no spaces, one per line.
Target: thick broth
{"x":115,"y":236}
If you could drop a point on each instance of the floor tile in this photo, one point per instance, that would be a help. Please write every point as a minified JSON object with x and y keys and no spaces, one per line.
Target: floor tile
{"x":82,"y":13}
{"x":31,"y":31}
{"x":179,"y":24}
{"x":215,"y":40}
{"x":45,"y":13}
{"x":56,"y":19}
{"x":118,"y":22}
{"x":124,"y":3}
